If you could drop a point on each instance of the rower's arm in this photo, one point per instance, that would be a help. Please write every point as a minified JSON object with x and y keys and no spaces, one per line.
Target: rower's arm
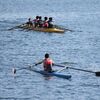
{"x":39,"y":63}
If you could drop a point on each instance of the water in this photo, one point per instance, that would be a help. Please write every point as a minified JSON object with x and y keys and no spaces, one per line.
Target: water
{"x":19,"y":48}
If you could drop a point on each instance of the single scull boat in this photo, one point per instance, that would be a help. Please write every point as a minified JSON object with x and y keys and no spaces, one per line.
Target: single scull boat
{"x":54,"y":73}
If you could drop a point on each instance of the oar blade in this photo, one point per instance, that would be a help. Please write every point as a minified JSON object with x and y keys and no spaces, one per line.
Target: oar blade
{"x":14,"y":71}
{"x":97,"y":74}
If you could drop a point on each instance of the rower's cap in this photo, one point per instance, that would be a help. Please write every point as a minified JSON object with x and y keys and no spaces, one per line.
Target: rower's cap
{"x":29,"y":18}
{"x":40,"y":17}
{"x":45,"y":18}
{"x":50,"y":18}
{"x":37,"y":17}
{"x":46,"y":55}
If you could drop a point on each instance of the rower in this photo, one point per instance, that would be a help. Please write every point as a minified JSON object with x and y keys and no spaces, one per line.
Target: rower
{"x":40,"y":22}
{"x":29,"y":23}
{"x":45,"y":22}
{"x":47,"y":63}
{"x":50,"y":23}
{"x":35,"y":21}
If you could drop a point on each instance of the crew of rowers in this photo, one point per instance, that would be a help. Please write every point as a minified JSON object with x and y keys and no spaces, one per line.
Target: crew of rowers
{"x":38,"y":22}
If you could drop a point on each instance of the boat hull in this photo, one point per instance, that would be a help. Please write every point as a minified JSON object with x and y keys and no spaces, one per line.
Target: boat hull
{"x":51,"y":30}
{"x":55,"y":73}
{"x":55,"y":30}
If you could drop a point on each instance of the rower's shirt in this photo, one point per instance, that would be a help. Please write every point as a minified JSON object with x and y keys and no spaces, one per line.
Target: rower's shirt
{"x":47,"y":63}
{"x":35,"y":20}
{"x":50,"y":24}
{"x":45,"y":24}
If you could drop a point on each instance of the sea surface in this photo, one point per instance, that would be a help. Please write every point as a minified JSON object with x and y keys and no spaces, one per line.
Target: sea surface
{"x":79,"y":48}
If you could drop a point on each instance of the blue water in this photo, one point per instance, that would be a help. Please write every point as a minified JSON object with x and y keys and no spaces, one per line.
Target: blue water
{"x":19,"y":48}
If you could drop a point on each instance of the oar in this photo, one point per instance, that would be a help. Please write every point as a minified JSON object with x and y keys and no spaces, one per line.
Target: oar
{"x":30,"y":66}
{"x":67,"y":63}
{"x":14,"y":70}
{"x":18,"y":26}
{"x":96,"y":73}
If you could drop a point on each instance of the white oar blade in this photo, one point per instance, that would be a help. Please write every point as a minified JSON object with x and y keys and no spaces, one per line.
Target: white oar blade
{"x":14,"y":71}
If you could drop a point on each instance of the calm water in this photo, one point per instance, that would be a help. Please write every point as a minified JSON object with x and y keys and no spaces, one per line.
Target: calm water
{"x":19,"y":48}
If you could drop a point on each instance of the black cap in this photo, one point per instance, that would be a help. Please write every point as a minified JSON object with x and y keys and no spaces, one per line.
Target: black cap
{"x":29,"y":18}
{"x":45,"y":18}
{"x":37,"y":17}
{"x":40,"y":17}
{"x":46,"y":55}
{"x":50,"y":18}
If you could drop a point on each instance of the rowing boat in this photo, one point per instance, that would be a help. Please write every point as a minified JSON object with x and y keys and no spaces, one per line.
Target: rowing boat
{"x":54,"y":73}
{"x":51,"y":30}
